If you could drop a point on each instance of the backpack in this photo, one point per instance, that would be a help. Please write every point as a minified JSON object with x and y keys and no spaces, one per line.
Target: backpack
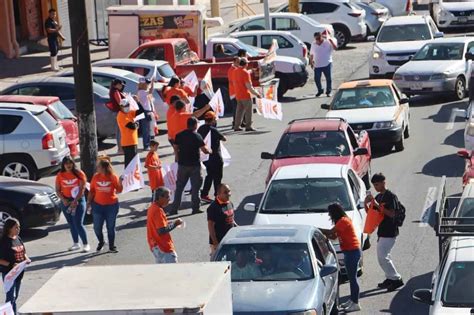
{"x":400,"y":213}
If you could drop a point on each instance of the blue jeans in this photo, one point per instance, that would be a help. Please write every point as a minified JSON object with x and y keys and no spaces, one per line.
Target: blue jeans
{"x":76,"y":220}
{"x":351,"y":260}
{"x":145,"y":130}
{"x":12,"y":295}
{"x":327,"y":74}
{"x":107,"y":214}
{"x":164,"y":258}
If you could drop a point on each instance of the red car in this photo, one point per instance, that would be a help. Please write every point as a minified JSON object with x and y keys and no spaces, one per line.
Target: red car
{"x":56,"y":109}
{"x":322,"y":140}
{"x":469,"y":169}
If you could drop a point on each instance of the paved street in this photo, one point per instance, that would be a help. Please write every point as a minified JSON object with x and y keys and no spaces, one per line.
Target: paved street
{"x":430,"y":153}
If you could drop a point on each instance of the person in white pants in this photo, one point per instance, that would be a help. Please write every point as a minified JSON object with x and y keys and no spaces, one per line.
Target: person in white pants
{"x":387,"y":232}
{"x":53,"y":32}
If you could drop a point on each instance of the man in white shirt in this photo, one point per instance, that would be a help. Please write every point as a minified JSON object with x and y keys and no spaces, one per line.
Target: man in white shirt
{"x":320,"y":60}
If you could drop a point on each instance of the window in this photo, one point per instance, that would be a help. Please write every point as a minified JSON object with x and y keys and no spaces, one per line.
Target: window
{"x":103,"y":80}
{"x":254,"y":25}
{"x":457,"y":289}
{"x":403,"y":33}
{"x":440,"y":51}
{"x":152,"y":53}
{"x":182,"y":52}
{"x":433,"y":27}
{"x":313,"y":143}
{"x":230,"y":49}
{"x":62,"y":91}
{"x":285,"y":24}
{"x":29,"y":90}
{"x":282,"y":41}
{"x":354,"y":185}
{"x":138,"y":70}
{"x":317,"y":251}
{"x":318,"y":7}
{"x":323,"y":246}
{"x":249,"y":40}
{"x":166,"y":71}
{"x":60,"y":110}
{"x":470,"y":47}
{"x":48,"y":120}
{"x":8,"y":123}
{"x":363,"y":97}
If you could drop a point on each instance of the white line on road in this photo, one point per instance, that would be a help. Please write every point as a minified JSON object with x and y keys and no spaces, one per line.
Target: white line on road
{"x":429,"y":201}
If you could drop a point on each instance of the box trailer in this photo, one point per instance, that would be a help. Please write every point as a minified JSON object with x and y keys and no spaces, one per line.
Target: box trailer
{"x":197,"y":288}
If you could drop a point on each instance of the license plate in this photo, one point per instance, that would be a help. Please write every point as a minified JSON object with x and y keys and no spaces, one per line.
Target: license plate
{"x":416,"y":86}
{"x":462,"y":19}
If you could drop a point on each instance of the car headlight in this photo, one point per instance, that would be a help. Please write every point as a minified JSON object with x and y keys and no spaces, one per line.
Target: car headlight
{"x":445,"y":14}
{"x":438,"y":76}
{"x":377,"y":54}
{"x":397,"y":76}
{"x":299,"y":67}
{"x":40,"y":200}
{"x":308,"y":312}
{"x":384,"y":124}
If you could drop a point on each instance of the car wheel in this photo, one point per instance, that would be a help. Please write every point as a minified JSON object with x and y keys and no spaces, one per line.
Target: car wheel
{"x":18,"y":167}
{"x":342,"y":35}
{"x":5,"y":214}
{"x":400,"y":144}
{"x":460,"y":88}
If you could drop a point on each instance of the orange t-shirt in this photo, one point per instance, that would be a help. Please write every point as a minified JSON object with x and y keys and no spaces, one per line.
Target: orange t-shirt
{"x":171,"y":111}
{"x":128,"y":137}
{"x":105,"y":189}
{"x":230,"y":76}
{"x":177,"y":123}
{"x":67,"y":181}
{"x":155,"y":176}
{"x":242,"y":76}
{"x":156,"y":219}
{"x":170,"y":92}
{"x":347,"y":237}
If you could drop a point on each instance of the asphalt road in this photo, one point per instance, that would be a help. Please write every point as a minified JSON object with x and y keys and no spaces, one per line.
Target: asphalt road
{"x":430,"y":153}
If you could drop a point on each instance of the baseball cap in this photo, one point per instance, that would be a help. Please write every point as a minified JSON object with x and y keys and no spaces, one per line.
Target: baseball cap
{"x":209,"y":115}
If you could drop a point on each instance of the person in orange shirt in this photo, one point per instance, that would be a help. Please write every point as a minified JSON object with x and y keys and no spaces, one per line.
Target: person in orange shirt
{"x":70,"y":187}
{"x":103,"y":202}
{"x":174,"y":88}
{"x":171,"y":108}
{"x":153,"y":166}
{"x":158,"y":228}
{"x":350,"y":246}
{"x":128,"y":130}
{"x":230,"y":76}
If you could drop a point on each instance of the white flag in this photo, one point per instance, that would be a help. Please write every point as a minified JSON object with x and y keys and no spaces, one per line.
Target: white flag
{"x":207,"y":142}
{"x":139,"y":117}
{"x":133,"y":176}
{"x":208,"y":80}
{"x":170,"y":177}
{"x":133,"y":104}
{"x":225,"y":155}
{"x":6,"y":309}
{"x":12,"y":275}
{"x":191,"y":80}
{"x":217,"y":104}
{"x":155,"y":72}
{"x":269,"y":109}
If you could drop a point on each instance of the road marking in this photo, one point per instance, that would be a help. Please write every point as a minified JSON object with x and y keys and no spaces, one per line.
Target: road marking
{"x":455,"y":112}
{"x":428,"y":205}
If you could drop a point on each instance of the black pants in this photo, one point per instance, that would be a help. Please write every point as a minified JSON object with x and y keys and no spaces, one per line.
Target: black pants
{"x":53,"y":46}
{"x":129,"y":153}
{"x":214,"y":176}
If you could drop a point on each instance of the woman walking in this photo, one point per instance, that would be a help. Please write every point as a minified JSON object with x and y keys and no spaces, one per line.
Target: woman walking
{"x":350,"y":246}
{"x":116,"y":95}
{"x":104,"y":203}
{"x":70,"y":187}
{"x":12,"y":252}
{"x":145,"y":97}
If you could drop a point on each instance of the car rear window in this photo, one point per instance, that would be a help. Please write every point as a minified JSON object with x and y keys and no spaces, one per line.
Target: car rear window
{"x":166,"y":71}
{"x":60,"y":110}
{"x":457,"y":290}
{"x":47,"y":120}
{"x":313,"y":143}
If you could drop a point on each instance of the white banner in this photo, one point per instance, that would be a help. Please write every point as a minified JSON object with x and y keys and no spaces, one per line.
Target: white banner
{"x":207,"y":142}
{"x":131,"y":101}
{"x":6,"y":309}
{"x":208,"y":80}
{"x":217,"y":104}
{"x":133,"y":176}
{"x":139,"y":117}
{"x":191,"y":80}
{"x":225,"y":155}
{"x":170,"y":177}
{"x":12,"y":275}
{"x":269,"y":109}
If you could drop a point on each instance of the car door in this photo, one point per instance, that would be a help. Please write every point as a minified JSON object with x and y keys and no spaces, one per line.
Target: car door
{"x":288,"y":24}
{"x":359,"y":195}
{"x":326,"y":256}
{"x":469,"y":49}
{"x":404,"y":107}
{"x":357,"y":160}
{"x":285,"y":47}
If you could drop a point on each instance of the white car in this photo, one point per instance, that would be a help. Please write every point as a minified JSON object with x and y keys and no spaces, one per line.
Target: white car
{"x":396,"y":7}
{"x":439,"y":67}
{"x":301,"y":194}
{"x":346,"y":18}
{"x":32,"y":142}
{"x":398,"y":41}
{"x":288,"y":44}
{"x":452,"y":13}
{"x":297,"y":24}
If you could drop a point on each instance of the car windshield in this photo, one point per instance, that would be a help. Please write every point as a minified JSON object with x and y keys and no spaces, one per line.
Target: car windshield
{"x":166,"y":71}
{"x":61,"y":111}
{"x":132,"y":76}
{"x":305,"y":195}
{"x":267,"y":261}
{"x":467,"y":208}
{"x":100,"y":90}
{"x":251,"y":50}
{"x":363,"y":97}
{"x":440,"y":51}
{"x":312,"y":143}
{"x":459,"y":279}
{"x":404,"y":33}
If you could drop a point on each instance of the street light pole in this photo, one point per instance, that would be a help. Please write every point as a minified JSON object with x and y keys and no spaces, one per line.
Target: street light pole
{"x":215,"y":8}
{"x":266,"y":11}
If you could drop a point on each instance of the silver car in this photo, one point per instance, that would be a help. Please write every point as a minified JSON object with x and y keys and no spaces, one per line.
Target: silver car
{"x":440,"y":66}
{"x":375,"y":15}
{"x":281,"y":269}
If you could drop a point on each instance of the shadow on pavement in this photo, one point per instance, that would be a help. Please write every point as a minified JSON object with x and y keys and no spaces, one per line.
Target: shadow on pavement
{"x":403,"y":304}
{"x":455,"y":139}
{"x":450,"y":165}
{"x":421,"y":101}
{"x":444,"y":113}
{"x":243,"y":217}
{"x":29,"y":235}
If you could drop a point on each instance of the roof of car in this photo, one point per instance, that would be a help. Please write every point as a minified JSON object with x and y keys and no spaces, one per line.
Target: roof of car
{"x":162,"y":41}
{"x":29,"y":99}
{"x":319,"y":170}
{"x":271,"y":233}
{"x":456,"y":39}
{"x":260,"y":32}
{"x":316,"y":124}
{"x":256,"y":16}
{"x":407,"y":19}
{"x":365,"y":83}
{"x":462,"y":248}
{"x":130,"y":61}
{"x":35,"y":109}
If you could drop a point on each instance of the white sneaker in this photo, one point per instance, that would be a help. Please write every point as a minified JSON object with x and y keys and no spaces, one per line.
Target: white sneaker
{"x":352,"y":307}
{"x":86,"y":248}
{"x":75,"y":246}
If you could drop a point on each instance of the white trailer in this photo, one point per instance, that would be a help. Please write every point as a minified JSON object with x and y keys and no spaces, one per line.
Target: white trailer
{"x":198,"y":288}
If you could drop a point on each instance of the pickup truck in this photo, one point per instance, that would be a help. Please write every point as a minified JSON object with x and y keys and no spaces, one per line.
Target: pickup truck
{"x":183,"y":60}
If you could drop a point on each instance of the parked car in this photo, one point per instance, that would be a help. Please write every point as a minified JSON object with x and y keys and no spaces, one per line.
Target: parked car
{"x":322,"y":140}
{"x":297,"y":24}
{"x":142,"y":67}
{"x":452,"y":14}
{"x":105,"y":75}
{"x":398,"y":41}
{"x":468,"y":173}
{"x":301,"y":194}
{"x":397,"y":7}
{"x":439,"y":67}
{"x":288,"y":44}
{"x":375,"y":15}
{"x":32,"y":142}
{"x":296,"y":262}
{"x":64,"y":89}
{"x":56,"y":109}
{"x":376,"y":106}
{"x":33,"y":204}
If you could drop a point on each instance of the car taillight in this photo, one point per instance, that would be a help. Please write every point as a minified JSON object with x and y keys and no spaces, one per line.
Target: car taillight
{"x":47,"y":141}
{"x":355,"y":14}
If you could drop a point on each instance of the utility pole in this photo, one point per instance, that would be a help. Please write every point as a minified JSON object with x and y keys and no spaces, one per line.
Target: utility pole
{"x":293,"y":6}
{"x":215,"y":8}
{"x":266,"y":12}
{"x":83,"y":86}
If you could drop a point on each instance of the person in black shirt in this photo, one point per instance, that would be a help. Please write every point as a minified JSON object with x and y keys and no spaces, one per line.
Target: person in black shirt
{"x":12,"y":252}
{"x":220,"y":217}
{"x":203,"y":99}
{"x":387,"y":232}
{"x":215,"y":164}
{"x":187,"y":144}
{"x":53,"y":32}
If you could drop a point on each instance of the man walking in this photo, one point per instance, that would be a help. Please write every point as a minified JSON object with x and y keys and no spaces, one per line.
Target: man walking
{"x":230,"y":76}
{"x":158,"y":228}
{"x":220,"y":217}
{"x":53,"y":32}
{"x":386,"y":202}
{"x":187,"y":145}
{"x":320,"y":59}
{"x":243,"y":94}
{"x":128,"y":130}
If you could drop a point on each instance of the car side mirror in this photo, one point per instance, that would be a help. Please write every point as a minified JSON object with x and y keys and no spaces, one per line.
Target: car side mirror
{"x":267,"y":156}
{"x":404,"y":100}
{"x":469,"y":56}
{"x":250,"y":207}
{"x":327,"y":270}
{"x":371,"y":38}
{"x":438,"y":35}
{"x":463,"y":153}
{"x":325,"y":106}
{"x":423,"y":296}
{"x":361,"y":151}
